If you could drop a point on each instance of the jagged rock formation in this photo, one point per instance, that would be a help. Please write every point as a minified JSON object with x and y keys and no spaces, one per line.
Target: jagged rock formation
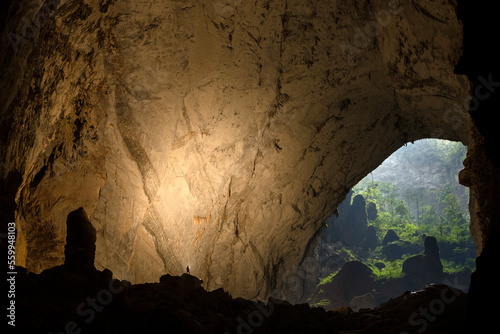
{"x":350,"y":226}
{"x":61,"y":299}
{"x":355,"y":230}
{"x":390,"y":236}
{"x":371,"y":240}
{"x":80,"y":240}
{"x":354,"y":279}
{"x":425,"y":268}
{"x":371,"y":211}
{"x":214,"y":135}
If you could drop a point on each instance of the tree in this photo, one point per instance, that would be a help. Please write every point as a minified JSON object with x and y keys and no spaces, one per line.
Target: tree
{"x":417,"y":197}
{"x":402,"y":211}
{"x":383,"y":194}
{"x":389,"y":192}
{"x":429,"y":215}
{"x":452,"y":211}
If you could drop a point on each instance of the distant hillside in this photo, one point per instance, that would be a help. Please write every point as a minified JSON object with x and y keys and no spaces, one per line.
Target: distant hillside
{"x":427,"y":164}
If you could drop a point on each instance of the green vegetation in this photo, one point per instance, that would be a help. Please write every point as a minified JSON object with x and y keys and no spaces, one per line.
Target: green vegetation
{"x":420,"y":198}
{"x":322,"y":303}
{"x":328,"y":279}
{"x":419,"y":212}
{"x":392,"y":269}
{"x":446,"y":222}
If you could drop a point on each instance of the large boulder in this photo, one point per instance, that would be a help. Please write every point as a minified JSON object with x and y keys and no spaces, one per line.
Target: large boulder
{"x":393,"y":251}
{"x":431,"y":247}
{"x":366,"y":301}
{"x":425,"y":268}
{"x":350,"y":224}
{"x":354,"y":279}
{"x":390,"y":236}
{"x":184,"y":282}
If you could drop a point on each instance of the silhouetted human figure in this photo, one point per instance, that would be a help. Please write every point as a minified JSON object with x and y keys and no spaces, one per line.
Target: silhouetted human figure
{"x":187,"y":270}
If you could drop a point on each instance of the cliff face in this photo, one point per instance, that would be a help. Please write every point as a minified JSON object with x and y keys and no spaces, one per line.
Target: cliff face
{"x":215,"y":134}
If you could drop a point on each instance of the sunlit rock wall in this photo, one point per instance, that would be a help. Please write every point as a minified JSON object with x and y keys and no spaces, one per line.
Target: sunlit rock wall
{"x":215,"y":134}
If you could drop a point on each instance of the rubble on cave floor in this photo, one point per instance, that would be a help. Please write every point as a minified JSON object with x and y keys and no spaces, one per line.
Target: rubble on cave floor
{"x":69,"y":299}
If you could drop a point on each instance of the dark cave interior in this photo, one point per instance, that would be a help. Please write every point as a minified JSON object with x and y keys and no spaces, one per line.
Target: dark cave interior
{"x":58,"y":299}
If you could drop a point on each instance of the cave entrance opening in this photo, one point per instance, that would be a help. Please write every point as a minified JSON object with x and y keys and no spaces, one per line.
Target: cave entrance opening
{"x":402,"y":227}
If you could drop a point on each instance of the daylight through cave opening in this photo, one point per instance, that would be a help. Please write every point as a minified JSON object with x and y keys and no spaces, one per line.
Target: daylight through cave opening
{"x":220,"y":135}
{"x":404,"y":226}
{"x":223,"y":149}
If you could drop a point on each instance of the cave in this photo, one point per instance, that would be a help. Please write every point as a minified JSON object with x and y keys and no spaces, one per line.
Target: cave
{"x":219,"y":135}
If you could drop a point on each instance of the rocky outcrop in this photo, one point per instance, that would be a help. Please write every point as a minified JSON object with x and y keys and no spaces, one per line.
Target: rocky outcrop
{"x":425,"y":268}
{"x":350,"y":226}
{"x":371,"y":211}
{"x":393,"y":251}
{"x":76,"y":297}
{"x":366,"y":301}
{"x":335,"y":224}
{"x":371,"y":240}
{"x":63,"y":298}
{"x":80,"y":240}
{"x":390,"y":236}
{"x":482,"y":165}
{"x":354,"y":279}
{"x":356,"y":223}
{"x":218,"y":135}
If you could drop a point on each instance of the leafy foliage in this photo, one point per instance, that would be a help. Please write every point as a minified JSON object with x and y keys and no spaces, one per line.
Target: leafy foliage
{"x":435,"y":212}
{"x":415,"y":212}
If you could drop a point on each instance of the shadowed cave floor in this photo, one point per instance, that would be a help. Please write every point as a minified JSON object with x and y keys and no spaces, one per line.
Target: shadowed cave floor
{"x":81,"y":299}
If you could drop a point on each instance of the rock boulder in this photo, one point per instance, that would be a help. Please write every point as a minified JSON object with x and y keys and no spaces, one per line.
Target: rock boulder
{"x":390,"y":236}
{"x":425,"y":268}
{"x":80,"y":240}
{"x":366,"y":301}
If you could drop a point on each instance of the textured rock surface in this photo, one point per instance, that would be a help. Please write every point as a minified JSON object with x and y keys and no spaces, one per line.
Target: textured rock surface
{"x":366,"y":301}
{"x":214,"y":135}
{"x":479,"y":171}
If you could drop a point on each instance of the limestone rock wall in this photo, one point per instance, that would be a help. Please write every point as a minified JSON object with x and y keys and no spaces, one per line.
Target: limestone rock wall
{"x":481,"y":176}
{"x":215,"y":134}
